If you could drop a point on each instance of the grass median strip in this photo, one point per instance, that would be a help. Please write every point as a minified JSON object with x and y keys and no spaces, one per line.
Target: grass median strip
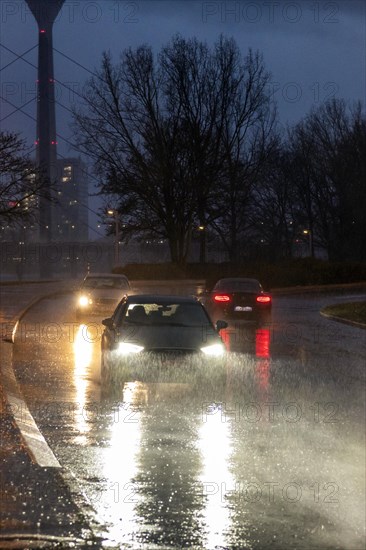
{"x":352,"y":311}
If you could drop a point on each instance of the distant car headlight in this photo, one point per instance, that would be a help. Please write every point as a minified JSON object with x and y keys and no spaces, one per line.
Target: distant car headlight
{"x":214,"y":350}
{"x":85,"y":301}
{"x":126,"y":348}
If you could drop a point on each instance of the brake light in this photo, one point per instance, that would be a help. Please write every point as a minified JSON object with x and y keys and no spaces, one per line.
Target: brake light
{"x":222,"y":298}
{"x":263,"y":299}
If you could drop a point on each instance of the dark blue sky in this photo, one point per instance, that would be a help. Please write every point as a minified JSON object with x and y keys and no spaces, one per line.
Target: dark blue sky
{"x":314,"y":50}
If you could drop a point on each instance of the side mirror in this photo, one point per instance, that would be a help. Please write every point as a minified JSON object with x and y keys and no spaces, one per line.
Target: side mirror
{"x":220,"y":325}
{"x":108,"y":322}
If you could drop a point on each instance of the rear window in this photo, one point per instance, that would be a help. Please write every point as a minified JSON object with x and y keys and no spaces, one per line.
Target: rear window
{"x":238,"y":286}
{"x":106,"y":282}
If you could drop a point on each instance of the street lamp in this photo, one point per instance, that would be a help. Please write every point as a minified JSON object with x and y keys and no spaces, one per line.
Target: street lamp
{"x":310,"y":240}
{"x":202,"y":234}
{"x":114,"y":213}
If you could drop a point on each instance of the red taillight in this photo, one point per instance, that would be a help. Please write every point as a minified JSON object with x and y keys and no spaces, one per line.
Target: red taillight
{"x":222,"y":298}
{"x":263,"y":299}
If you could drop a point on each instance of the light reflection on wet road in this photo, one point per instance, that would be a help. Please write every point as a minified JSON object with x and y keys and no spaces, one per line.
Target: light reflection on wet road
{"x":266,"y":452}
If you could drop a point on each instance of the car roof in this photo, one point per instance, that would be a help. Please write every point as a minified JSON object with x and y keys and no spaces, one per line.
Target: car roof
{"x":237,"y":280}
{"x":161,"y":298}
{"x":109,"y":275}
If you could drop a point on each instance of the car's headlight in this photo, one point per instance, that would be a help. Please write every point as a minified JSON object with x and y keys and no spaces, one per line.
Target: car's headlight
{"x":214,"y":350}
{"x":126,"y":348}
{"x":85,"y":301}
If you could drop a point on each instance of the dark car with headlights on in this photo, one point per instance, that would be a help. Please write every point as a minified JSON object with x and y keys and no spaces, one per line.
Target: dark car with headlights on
{"x":100,"y":293}
{"x":238,"y":298}
{"x":165,"y":330}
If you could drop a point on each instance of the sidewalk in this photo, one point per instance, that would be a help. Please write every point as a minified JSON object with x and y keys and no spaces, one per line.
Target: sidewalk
{"x":37,"y":503}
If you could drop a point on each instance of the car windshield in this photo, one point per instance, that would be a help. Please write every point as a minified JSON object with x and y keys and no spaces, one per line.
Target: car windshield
{"x":105,"y":282}
{"x":174,"y":314}
{"x":238,"y":286}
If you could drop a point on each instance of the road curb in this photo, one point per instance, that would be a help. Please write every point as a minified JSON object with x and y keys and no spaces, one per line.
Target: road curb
{"x":14,"y":323}
{"x":342,"y":320}
{"x":34,"y":442}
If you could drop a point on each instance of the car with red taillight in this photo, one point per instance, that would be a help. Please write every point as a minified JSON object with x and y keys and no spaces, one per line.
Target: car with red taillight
{"x":238,"y":298}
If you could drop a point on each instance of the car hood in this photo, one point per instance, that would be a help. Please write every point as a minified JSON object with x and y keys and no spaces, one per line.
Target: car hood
{"x":155,"y":338}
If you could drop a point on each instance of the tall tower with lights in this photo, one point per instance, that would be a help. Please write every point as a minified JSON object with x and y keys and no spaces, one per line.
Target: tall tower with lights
{"x":45,"y":13}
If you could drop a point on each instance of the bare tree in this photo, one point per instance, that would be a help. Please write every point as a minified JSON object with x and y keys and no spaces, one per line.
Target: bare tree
{"x":328,"y":171}
{"x":224,"y":102}
{"x":195,"y":87}
{"x":136,"y":144}
{"x":21,"y":183}
{"x":161,"y":131}
{"x":247,"y":138}
{"x":273,"y":208}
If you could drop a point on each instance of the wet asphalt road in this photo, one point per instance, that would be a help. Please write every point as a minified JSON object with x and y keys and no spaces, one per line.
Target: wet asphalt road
{"x":266,"y":451}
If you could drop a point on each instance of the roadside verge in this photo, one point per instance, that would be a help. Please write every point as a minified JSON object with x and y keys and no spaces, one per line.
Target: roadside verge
{"x":342,"y":320}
